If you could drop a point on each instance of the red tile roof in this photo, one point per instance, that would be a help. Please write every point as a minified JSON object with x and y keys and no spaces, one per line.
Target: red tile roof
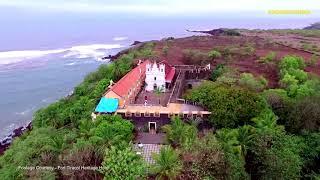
{"x":170,"y":71}
{"x":170,"y":75}
{"x":123,"y":86}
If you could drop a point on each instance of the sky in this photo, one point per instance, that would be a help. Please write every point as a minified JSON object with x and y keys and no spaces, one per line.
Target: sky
{"x":162,"y":7}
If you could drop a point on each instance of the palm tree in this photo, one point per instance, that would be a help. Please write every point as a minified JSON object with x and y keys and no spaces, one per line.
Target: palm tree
{"x":167,"y":164}
{"x":85,"y":127}
{"x":228,"y":140}
{"x":179,"y":133}
{"x":245,"y":137}
{"x":266,"y":122}
{"x":174,"y":131}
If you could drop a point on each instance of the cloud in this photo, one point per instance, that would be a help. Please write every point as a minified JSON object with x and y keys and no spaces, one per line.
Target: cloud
{"x":161,"y":6}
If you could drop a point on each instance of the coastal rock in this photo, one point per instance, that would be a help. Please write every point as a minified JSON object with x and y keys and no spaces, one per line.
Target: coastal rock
{"x":314,"y":26}
{"x":218,"y":32}
{"x":5,"y":143}
{"x":135,"y":43}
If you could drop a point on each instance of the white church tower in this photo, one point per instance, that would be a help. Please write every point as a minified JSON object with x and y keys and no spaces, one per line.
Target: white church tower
{"x":155,"y":77}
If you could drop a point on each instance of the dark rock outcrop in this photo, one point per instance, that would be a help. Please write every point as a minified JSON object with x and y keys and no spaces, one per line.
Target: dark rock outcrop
{"x":221,"y":31}
{"x":135,"y":43}
{"x":5,"y":142}
{"x":314,"y":26}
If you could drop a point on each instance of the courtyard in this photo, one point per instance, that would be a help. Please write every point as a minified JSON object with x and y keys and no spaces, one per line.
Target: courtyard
{"x":153,"y":98}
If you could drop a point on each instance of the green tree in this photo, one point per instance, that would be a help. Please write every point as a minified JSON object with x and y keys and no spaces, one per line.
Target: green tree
{"x":82,"y":153}
{"x":112,"y":130}
{"x":179,"y":133}
{"x":209,"y":160}
{"x":275,"y":156}
{"x":304,"y":115}
{"x":245,"y":138}
{"x":229,"y":140}
{"x":122,"y":163}
{"x":230,"y":106}
{"x":167,"y":164}
{"x":266,"y":122}
{"x":40,"y":148}
{"x":310,"y":154}
{"x":292,"y":62}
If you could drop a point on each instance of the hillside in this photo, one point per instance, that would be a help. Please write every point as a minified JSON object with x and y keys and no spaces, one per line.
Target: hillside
{"x":241,"y":52}
{"x":314,"y":26}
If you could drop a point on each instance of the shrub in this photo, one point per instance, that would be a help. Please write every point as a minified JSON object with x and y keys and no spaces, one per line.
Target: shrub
{"x":214,"y":54}
{"x":228,"y":77}
{"x":270,"y":57}
{"x":292,"y":62}
{"x":295,"y":79}
{"x":40,"y":148}
{"x":231,"y":32}
{"x":217,"y":72}
{"x":314,"y":60}
{"x":254,"y":84}
{"x":209,"y":160}
{"x":195,"y":57}
{"x":276,"y":156}
{"x":112,"y":130}
{"x":304,"y":115}
{"x":122,"y":163}
{"x":248,"y":50}
{"x":165,"y":50}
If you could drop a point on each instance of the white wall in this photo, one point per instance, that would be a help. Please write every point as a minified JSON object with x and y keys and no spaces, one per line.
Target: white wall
{"x":155,"y":75}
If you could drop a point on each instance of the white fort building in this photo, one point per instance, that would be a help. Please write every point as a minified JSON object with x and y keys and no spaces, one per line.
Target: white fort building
{"x":159,"y":76}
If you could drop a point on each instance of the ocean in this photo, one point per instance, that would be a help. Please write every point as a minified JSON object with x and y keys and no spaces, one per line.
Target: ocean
{"x":44,"y":56}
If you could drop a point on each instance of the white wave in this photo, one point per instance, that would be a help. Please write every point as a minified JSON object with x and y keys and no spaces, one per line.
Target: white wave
{"x":25,"y":112}
{"x":121,"y":38}
{"x":71,"y":64}
{"x":96,"y":51}
{"x":10,"y":57}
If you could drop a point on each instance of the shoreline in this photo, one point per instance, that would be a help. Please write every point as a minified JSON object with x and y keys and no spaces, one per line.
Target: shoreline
{"x":7,"y":141}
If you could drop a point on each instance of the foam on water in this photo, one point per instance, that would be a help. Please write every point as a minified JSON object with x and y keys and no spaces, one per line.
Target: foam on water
{"x":10,"y":57}
{"x":96,"y":51}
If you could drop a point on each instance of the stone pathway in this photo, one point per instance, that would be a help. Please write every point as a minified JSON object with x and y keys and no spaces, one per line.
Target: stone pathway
{"x":147,"y":150}
{"x":150,"y":138}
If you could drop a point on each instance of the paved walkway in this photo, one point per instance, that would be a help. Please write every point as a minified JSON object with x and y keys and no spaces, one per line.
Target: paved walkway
{"x":147,"y":150}
{"x":148,"y":138}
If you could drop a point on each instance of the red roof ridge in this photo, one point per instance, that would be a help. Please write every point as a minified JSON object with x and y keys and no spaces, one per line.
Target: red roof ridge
{"x":123,"y":86}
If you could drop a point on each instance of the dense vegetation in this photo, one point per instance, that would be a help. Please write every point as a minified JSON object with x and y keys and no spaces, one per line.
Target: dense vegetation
{"x":258,"y":133}
{"x":262,"y":133}
{"x":64,"y":135}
